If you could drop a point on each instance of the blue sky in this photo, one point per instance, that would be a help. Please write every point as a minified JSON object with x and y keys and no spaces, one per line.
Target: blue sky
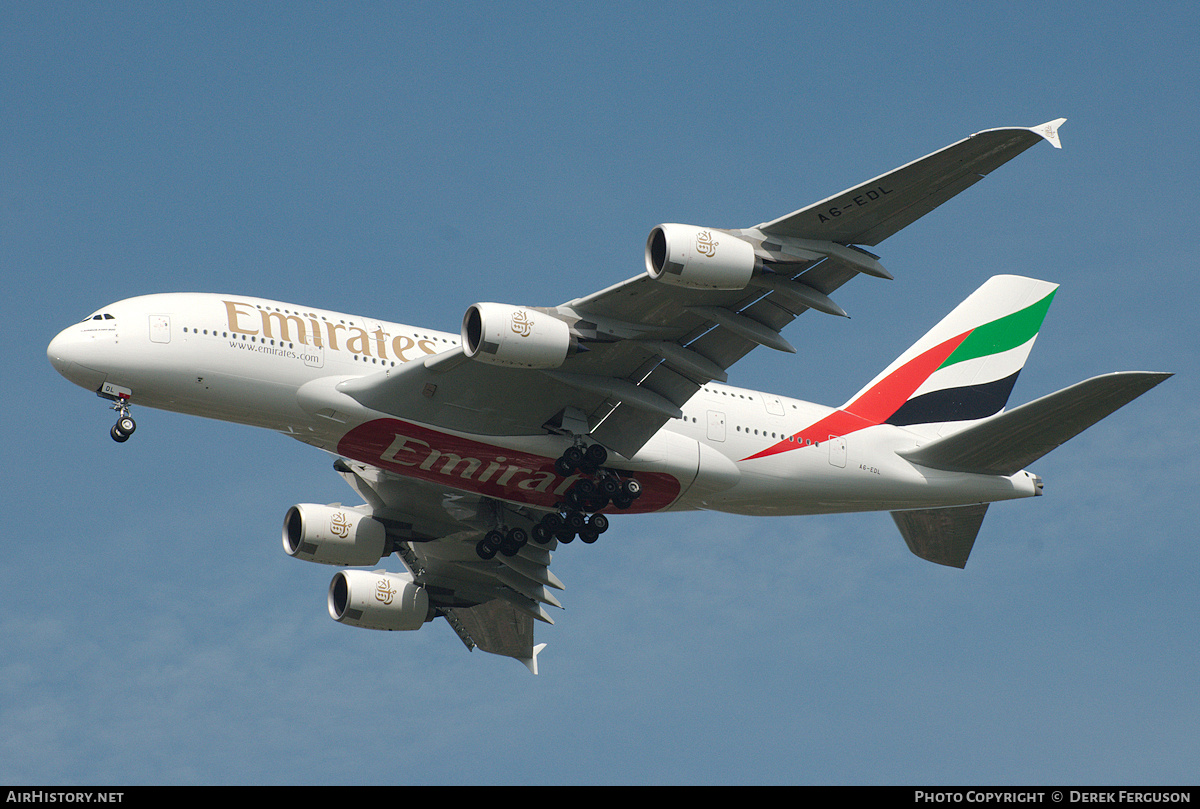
{"x":405,"y":160}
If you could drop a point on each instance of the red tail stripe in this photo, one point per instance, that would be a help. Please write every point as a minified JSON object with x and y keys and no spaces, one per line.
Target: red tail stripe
{"x":885,"y":398}
{"x":875,"y":405}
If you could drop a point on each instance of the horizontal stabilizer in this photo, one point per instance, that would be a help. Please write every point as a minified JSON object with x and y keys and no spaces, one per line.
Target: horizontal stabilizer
{"x":944,"y":536}
{"x":1008,"y":442}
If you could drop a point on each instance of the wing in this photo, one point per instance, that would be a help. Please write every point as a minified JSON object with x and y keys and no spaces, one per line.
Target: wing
{"x":651,"y":345}
{"x":490,"y":604}
{"x":870,"y":212}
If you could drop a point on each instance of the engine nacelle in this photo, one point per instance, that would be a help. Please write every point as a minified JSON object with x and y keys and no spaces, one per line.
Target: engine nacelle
{"x":700,"y":258}
{"x":378,"y":600}
{"x":514,"y":336}
{"x":333,"y":535}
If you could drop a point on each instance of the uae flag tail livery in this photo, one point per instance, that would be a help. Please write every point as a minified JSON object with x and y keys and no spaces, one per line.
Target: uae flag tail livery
{"x":961,"y":371}
{"x":965,"y":367}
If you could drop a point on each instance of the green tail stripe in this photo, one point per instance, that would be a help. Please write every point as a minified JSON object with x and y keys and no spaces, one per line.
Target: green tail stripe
{"x":1006,"y":333}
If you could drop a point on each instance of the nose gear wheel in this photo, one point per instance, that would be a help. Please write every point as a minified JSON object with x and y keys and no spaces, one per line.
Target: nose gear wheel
{"x":125,"y":425}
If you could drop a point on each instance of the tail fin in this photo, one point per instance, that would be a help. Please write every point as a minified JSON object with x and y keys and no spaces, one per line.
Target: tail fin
{"x":964,"y":369}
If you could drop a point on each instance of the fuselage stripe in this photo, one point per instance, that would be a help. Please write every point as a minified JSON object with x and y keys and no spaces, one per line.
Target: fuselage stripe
{"x":875,"y":405}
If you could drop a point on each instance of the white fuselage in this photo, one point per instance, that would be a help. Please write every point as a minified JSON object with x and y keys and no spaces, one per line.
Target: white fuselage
{"x":274,"y":365}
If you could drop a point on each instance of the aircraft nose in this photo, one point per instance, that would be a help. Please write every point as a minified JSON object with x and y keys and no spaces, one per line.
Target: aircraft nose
{"x":67,"y":353}
{"x":59,"y":351}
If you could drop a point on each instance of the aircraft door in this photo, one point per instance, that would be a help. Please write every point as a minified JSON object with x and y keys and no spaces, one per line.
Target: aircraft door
{"x":160,"y":329}
{"x":837,"y":451}
{"x":314,"y":356}
{"x":716,"y":426}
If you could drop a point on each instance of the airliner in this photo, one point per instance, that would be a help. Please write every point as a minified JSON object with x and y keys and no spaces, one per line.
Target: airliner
{"x":477,"y":453}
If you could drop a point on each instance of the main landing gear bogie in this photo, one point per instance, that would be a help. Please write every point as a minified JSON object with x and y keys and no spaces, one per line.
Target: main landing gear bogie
{"x":507,"y":542}
{"x":588,"y":460}
{"x":578,"y":515}
{"x":564,"y":526}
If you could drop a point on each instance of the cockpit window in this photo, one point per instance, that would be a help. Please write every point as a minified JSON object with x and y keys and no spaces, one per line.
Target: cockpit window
{"x":101,"y":316}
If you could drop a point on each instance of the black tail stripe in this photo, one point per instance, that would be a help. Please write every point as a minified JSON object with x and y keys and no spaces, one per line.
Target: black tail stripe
{"x":955,"y":404}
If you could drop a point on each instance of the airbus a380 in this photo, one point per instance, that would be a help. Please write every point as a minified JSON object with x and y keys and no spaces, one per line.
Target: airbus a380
{"x":477,"y":453}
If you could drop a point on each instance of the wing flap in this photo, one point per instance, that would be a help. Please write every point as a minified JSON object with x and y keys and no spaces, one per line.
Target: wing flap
{"x":626,"y":428}
{"x":496,"y":627}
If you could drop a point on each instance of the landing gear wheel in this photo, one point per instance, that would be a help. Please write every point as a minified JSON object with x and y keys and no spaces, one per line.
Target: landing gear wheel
{"x":588,"y":535}
{"x":489,"y":545}
{"x":595,"y":456}
{"x":576,"y":521}
{"x":598,"y":523}
{"x":513,"y":541}
{"x":573,"y":456}
{"x":548,"y":528}
{"x":125,"y":425}
{"x":581,"y":494}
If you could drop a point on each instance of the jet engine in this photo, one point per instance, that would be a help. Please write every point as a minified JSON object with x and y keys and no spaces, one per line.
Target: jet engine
{"x":515,"y":336}
{"x":700,"y":258}
{"x":378,"y":600}
{"x":332,"y":535}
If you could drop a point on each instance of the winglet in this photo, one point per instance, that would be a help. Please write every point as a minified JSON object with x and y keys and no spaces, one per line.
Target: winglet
{"x":531,"y":662}
{"x":1049,"y":131}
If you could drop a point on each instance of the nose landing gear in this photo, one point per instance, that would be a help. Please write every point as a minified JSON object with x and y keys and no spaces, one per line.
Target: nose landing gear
{"x":125,"y":425}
